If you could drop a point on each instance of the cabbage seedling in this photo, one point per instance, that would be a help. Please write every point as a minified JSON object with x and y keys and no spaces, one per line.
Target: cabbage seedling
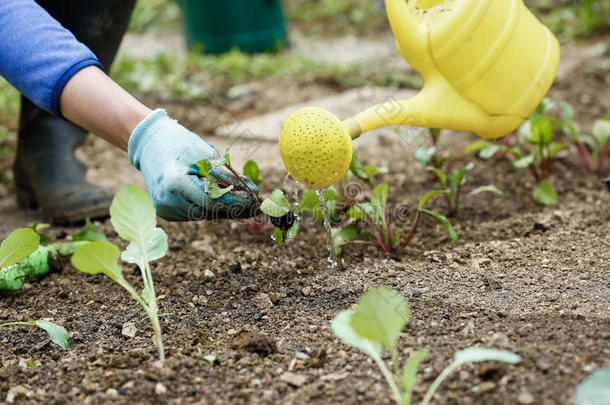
{"x":285,"y":221}
{"x":595,"y":389}
{"x":215,"y":186}
{"x":57,"y":334}
{"x":376,"y":324}
{"x":134,"y":218}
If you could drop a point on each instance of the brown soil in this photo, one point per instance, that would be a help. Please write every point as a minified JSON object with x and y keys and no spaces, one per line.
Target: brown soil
{"x":523,"y":278}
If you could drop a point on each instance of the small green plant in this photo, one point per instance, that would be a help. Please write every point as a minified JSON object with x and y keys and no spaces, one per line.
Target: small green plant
{"x":57,"y":334}
{"x":134,"y":218}
{"x":535,"y":150}
{"x":261,"y":223}
{"x":453,"y":182}
{"x":595,"y":389}
{"x":376,"y":324}
{"x":373,"y":214}
{"x":286,"y":223}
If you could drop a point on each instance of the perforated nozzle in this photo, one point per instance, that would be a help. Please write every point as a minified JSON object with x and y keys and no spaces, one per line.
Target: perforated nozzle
{"x":315,"y":147}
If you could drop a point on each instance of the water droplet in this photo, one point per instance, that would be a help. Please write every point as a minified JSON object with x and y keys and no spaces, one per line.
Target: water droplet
{"x":330,"y":244}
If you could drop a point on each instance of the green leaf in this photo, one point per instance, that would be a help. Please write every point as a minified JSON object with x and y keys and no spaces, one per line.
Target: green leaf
{"x":38,"y":227}
{"x":381,"y":315}
{"x":309,"y":202}
{"x":542,"y":131}
{"x":156,"y":248}
{"x":332,"y":194}
{"x":372,"y":171}
{"x":278,"y":235}
{"x":440,"y":174}
{"x":601,"y":132}
{"x":490,"y":188}
{"x":17,"y":246}
{"x":214,"y":190}
{"x":98,"y":257}
{"x":356,"y":213}
{"x":446,"y":224}
{"x":205,"y":167}
{"x":426,"y":197}
{"x":342,"y":328}
{"x":396,"y":238}
{"x":357,"y":169}
{"x":252,"y":171}
{"x":595,"y":389}
{"x":409,"y":371}
{"x":424,"y":155}
{"x":555,"y":147}
{"x":133,"y":215}
{"x":276,"y":205}
{"x":343,"y":236}
{"x":524,"y":162}
{"x":211,"y":359}
{"x":545,"y":193}
{"x":57,"y":334}
{"x":474,"y":147}
{"x":89,"y":234}
{"x":479,"y":354}
{"x":489,"y":150}
{"x":292,"y":232}
{"x":379,"y":196}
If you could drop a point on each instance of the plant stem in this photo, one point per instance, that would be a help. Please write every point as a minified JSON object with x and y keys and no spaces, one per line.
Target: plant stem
{"x":241,"y":180}
{"x":437,"y":383}
{"x":389,"y":378}
{"x":30,"y":323}
{"x":602,"y":158}
{"x":219,"y":180}
{"x":412,"y":231}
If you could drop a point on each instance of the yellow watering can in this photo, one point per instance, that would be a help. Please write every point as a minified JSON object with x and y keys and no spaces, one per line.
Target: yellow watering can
{"x":486,"y":65}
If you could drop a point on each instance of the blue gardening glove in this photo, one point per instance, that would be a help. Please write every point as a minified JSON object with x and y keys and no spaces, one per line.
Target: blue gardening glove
{"x":166,"y":153}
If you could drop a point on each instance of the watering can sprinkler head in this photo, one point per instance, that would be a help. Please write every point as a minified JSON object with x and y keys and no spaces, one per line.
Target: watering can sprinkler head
{"x":486,"y":64}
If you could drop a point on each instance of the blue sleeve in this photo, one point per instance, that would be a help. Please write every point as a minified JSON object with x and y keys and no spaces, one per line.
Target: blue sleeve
{"x":37,"y":55}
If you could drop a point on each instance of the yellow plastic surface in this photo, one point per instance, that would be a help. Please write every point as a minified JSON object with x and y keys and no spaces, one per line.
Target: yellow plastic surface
{"x":315,"y":147}
{"x":486,"y":65}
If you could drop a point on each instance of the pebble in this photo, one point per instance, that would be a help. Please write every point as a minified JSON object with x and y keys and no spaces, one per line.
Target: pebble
{"x":16,"y":392}
{"x":160,"y":389}
{"x":542,"y":365}
{"x":306,"y":291}
{"x":262,"y":301}
{"x":525,"y":398}
{"x":203,"y":246}
{"x":129,"y":329}
{"x":294,"y":379}
{"x":112,"y":392}
{"x":209,"y":274}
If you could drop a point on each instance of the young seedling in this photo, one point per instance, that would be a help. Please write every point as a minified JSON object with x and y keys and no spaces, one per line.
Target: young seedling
{"x":453,"y":183}
{"x":261,"y":223}
{"x":535,"y":150}
{"x":373,"y":215}
{"x":215,"y":186}
{"x":593,"y":149}
{"x":57,"y":334}
{"x":134,"y":218}
{"x":286,"y":223}
{"x":427,"y":152}
{"x":26,"y":264}
{"x":376,"y":324}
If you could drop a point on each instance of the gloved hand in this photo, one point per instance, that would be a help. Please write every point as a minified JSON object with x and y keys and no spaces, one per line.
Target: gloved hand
{"x":166,"y":153}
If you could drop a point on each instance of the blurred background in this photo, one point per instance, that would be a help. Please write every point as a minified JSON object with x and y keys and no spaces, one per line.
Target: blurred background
{"x":325,"y":47}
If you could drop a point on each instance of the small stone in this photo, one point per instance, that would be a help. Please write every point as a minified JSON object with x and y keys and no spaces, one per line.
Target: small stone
{"x":487,"y":386}
{"x":112,"y":392}
{"x":16,"y":392}
{"x":258,"y":316}
{"x":129,"y":330}
{"x":294,"y":379}
{"x":203,"y":246}
{"x":209,"y":274}
{"x":542,"y":365}
{"x":262,"y":301}
{"x":160,"y":389}
{"x":306,"y":291}
{"x":525,"y":398}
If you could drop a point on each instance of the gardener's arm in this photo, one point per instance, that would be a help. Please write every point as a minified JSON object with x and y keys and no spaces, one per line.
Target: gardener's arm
{"x":59,"y":74}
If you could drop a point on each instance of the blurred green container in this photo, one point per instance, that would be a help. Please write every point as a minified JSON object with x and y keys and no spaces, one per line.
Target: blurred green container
{"x":220,"y":25}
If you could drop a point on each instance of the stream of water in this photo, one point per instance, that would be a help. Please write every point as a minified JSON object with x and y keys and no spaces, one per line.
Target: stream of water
{"x":330,"y":245}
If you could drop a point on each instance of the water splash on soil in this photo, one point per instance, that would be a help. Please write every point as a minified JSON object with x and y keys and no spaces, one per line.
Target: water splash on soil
{"x":330,"y":245}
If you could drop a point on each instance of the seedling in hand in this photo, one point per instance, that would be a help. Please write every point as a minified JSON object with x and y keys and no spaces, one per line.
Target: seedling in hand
{"x":134,"y":218}
{"x":216,"y":187}
{"x":261,"y":223}
{"x":376,"y":324}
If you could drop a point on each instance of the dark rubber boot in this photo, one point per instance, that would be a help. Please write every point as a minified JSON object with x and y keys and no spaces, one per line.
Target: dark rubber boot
{"x":47,"y":174}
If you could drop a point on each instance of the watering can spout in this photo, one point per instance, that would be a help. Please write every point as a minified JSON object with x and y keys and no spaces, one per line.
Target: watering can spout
{"x":486,"y":65}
